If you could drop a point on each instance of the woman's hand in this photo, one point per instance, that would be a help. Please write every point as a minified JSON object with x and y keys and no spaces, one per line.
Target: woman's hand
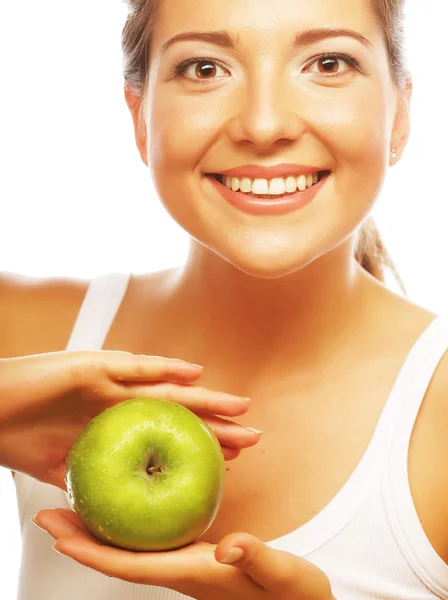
{"x":260,"y":574}
{"x":47,"y":399}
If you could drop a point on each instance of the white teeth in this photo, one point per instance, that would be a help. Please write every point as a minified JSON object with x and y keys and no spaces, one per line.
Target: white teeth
{"x":291,"y":184}
{"x":273,"y":187}
{"x":277,"y":186}
{"x":246,"y":184}
{"x":301,"y":183}
{"x":260,"y":186}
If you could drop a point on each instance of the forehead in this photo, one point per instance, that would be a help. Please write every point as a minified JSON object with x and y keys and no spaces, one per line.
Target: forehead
{"x":262,"y":19}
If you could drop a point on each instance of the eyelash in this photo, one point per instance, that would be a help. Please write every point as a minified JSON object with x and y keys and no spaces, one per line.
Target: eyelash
{"x":179,"y":69}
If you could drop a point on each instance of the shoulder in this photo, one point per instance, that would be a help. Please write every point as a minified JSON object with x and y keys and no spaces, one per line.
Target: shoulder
{"x":37,"y":314}
{"x":404,"y":322}
{"x":428,"y":455}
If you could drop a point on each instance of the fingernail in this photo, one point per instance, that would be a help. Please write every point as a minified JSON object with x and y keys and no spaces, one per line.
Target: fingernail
{"x":57,"y":550}
{"x":254,"y":430}
{"x":232,"y":556}
{"x":36,"y":522}
{"x":179,"y":363}
{"x":247,"y":399}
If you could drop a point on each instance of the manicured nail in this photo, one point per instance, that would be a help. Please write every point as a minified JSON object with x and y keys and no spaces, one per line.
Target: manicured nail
{"x":188,"y":365}
{"x":36,"y":522}
{"x":178,"y":363}
{"x":254,"y":430}
{"x":57,"y":550}
{"x":232,"y":556}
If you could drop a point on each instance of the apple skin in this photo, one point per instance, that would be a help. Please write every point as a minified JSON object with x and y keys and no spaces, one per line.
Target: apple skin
{"x":124,"y":505}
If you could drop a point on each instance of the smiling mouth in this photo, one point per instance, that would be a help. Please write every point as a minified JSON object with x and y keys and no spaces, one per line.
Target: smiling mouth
{"x":298,"y":187}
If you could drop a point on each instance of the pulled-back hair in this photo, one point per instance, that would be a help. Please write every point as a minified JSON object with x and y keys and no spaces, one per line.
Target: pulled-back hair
{"x":370,"y":251}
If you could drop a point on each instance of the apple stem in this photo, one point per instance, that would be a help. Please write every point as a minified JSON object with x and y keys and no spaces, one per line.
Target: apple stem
{"x":152,"y":470}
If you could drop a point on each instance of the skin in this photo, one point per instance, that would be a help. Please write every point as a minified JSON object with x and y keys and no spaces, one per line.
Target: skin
{"x":275,"y":106}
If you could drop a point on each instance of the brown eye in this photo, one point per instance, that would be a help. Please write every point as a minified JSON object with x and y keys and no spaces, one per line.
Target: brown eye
{"x":199,"y":70}
{"x":329,"y":65}
{"x":205,"y":70}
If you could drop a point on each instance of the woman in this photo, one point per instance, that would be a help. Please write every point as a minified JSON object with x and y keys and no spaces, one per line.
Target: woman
{"x":269,"y":132}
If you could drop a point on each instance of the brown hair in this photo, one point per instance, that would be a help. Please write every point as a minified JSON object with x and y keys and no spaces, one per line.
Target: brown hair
{"x":370,"y":251}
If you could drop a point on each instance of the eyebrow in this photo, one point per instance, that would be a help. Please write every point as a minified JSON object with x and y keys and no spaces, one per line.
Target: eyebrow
{"x":303,"y":38}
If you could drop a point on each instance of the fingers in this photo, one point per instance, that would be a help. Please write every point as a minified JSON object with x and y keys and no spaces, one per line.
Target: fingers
{"x":89,"y":368}
{"x":274,"y":570}
{"x":269,"y":568}
{"x":230,"y":453}
{"x":168,"y":569}
{"x":196,"y":398}
{"x":158,"y":569}
{"x":57,"y":477}
{"x":61,"y":522}
{"x":131,"y":376}
{"x":231,"y":434}
{"x":165,"y":378}
{"x":125,"y":366}
{"x":206,"y":404}
{"x":75,"y":519}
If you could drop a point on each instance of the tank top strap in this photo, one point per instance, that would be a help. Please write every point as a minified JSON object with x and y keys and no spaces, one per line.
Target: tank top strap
{"x":101,"y":303}
{"x":412,"y":386}
{"x":407,"y":393}
{"x":411,"y":383}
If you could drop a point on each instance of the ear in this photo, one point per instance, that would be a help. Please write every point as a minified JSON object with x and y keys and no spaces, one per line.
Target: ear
{"x":402,"y":122}
{"x":134,"y":103}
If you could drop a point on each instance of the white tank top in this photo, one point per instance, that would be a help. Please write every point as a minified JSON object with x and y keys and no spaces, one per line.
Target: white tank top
{"x":368,"y":539}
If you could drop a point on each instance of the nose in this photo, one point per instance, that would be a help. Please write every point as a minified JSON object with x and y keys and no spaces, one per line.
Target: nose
{"x":266,"y":113}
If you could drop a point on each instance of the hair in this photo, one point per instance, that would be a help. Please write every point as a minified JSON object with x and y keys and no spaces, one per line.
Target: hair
{"x":370,"y":251}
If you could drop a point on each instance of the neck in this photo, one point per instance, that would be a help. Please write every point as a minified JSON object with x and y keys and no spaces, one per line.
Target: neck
{"x":290,"y":322}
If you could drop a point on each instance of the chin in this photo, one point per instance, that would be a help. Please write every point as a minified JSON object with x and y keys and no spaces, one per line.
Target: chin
{"x":268,"y":265}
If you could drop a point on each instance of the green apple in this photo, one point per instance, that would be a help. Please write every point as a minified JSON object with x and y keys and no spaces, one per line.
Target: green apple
{"x":146,"y":474}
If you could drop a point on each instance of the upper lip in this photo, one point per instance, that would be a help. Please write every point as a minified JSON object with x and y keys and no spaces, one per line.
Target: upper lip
{"x":260,"y":172}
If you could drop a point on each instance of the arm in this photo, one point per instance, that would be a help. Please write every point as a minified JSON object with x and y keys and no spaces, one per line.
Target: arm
{"x":30,"y":306}
{"x":37,"y":315}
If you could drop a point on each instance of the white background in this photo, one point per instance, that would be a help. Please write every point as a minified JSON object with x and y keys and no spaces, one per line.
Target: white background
{"x":71,"y":176}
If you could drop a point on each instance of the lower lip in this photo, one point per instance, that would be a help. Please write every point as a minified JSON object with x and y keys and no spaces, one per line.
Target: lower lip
{"x":256,"y":206}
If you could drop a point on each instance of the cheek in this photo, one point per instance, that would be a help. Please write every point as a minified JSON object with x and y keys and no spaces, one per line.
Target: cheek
{"x":180,"y":134}
{"x":181,"y":130}
{"x":352,"y":126}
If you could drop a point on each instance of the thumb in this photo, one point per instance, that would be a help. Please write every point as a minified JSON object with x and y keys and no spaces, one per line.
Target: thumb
{"x":275,"y":570}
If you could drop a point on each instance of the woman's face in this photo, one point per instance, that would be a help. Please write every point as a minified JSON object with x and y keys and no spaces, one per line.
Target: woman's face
{"x":265,"y":101}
